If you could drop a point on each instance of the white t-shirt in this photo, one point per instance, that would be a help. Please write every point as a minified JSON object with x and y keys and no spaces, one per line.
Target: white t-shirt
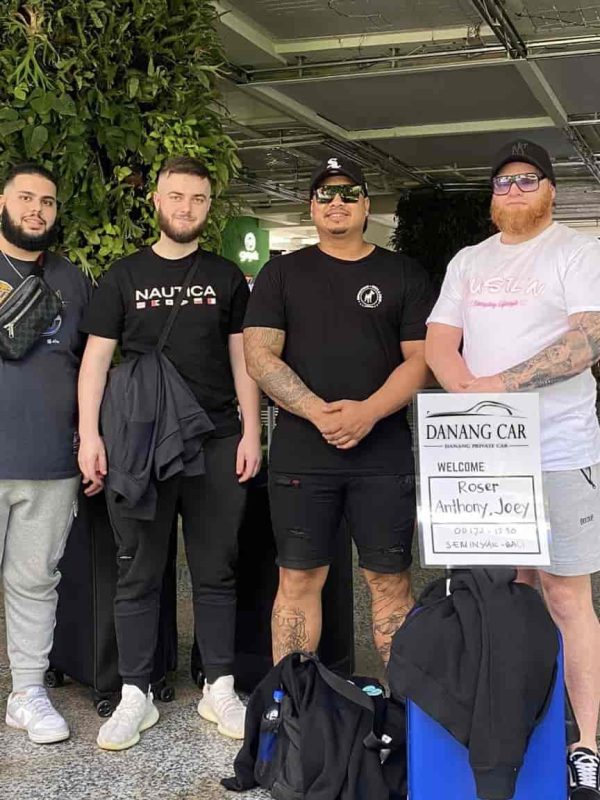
{"x":512,"y":301}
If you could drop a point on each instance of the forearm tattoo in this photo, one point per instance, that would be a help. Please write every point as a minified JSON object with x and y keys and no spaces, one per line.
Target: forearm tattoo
{"x":289,"y":631}
{"x":571,"y":354}
{"x":263,"y":348}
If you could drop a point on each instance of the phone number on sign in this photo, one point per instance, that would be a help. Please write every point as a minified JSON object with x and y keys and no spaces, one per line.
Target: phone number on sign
{"x":474,"y":530}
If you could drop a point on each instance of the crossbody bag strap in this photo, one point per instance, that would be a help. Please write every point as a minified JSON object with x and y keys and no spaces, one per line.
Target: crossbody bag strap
{"x":40,"y":264}
{"x":178,"y":303}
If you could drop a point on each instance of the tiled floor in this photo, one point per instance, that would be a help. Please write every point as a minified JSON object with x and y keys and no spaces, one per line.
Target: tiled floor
{"x":181,"y":758}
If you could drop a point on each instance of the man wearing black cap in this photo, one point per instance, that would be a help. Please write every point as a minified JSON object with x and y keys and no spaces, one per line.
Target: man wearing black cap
{"x":334,"y":334}
{"x":526,"y":303}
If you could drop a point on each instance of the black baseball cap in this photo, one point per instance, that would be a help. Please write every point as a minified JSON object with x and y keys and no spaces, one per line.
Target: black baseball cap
{"x":338,"y":165}
{"x":526,"y":151}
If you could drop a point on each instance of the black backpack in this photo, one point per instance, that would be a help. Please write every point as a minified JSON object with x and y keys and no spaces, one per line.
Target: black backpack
{"x":335,"y":738}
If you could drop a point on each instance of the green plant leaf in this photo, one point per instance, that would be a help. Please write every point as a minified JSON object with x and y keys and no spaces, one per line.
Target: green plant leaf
{"x":102,"y":94}
{"x":12,"y":126}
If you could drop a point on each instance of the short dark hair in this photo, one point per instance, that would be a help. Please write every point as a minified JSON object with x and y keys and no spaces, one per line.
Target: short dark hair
{"x":184,"y":165}
{"x":29,"y":168}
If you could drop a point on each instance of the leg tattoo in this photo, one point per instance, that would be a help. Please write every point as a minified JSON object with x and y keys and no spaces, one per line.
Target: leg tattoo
{"x":391,"y":601}
{"x":289,"y":631}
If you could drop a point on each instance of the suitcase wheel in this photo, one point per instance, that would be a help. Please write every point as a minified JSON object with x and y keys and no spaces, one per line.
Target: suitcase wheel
{"x":104,"y":707}
{"x":198,"y":678}
{"x":54,"y":678}
{"x":166,"y":694}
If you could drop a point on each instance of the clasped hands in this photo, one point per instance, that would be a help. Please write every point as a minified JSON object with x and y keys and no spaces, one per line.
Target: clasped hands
{"x":345,"y":422}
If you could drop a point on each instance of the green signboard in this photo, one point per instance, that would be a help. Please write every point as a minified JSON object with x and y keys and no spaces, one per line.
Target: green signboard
{"x":246,"y":244}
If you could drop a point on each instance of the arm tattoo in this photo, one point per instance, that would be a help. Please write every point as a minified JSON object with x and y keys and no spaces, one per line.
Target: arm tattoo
{"x":289,"y":631}
{"x":263,"y":348}
{"x":570,"y":355}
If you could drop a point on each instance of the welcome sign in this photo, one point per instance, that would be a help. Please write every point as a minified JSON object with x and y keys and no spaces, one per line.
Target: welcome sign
{"x":479,"y":480}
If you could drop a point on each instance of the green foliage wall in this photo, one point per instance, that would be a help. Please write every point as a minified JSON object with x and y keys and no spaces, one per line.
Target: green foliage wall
{"x":433,"y":225}
{"x":101,"y":91}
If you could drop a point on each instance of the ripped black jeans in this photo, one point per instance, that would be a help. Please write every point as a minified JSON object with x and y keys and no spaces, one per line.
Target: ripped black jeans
{"x":211,"y":507}
{"x":307,"y":510}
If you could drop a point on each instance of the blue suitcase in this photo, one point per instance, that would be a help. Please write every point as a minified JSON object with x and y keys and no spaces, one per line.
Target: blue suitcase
{"x":438,"y":765}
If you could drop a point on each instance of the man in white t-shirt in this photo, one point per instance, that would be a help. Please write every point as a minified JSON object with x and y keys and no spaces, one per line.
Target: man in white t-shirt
{"x":526,"y":305}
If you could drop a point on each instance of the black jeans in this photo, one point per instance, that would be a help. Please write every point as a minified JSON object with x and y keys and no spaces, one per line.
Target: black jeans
{"x":211,"y":507}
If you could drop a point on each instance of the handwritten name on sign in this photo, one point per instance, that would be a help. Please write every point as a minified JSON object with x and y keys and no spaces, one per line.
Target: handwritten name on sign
{"x":480,"y":490}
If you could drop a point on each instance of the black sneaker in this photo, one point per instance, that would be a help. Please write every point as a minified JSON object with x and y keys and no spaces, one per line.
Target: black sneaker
{"x":584,"y":772}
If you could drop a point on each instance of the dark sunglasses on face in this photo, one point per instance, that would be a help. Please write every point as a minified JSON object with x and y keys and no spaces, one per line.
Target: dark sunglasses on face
{"x":526,"y":182}
{"x":347,"y":194}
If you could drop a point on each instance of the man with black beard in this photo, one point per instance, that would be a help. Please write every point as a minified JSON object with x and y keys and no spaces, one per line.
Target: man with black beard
{"x":130,"y":308}
{"x":39,"y":476}
{"x":526,"y":303}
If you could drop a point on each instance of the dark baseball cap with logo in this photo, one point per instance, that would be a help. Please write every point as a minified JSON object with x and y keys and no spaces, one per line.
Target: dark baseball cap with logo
{"x":527,"y":152}
{"x":338,"y":165}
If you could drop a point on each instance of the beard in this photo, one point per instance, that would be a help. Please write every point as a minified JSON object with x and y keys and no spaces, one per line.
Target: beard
{"x":179,"y":236}
{"x":519,"y":221}
{"x":31,"y":242}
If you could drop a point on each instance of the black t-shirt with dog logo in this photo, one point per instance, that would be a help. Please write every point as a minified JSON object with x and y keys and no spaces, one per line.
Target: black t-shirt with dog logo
{"x":132,"y":304}
{"x":344,"y":322}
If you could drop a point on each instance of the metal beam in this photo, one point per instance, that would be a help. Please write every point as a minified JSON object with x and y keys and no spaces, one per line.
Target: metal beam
{"x":281,"y":142}
{"x":394,"y":64}
{"x":272,"y":189}
{"x":363,"y":41}
{"x":452,"y":128}
{"x":245,"y":27}
{"x":340,"y":136}
{"x":493,"y":10}
{"x":586,"y":153}
{"x":294,"y":109}
{"x":428,"y":60}
{"x":546,"y":96}
{"x":494,"y":14}
{"x":542,"y":91}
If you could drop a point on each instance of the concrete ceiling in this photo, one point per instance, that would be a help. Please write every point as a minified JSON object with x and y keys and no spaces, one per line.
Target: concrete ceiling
{"x":419,"y":91}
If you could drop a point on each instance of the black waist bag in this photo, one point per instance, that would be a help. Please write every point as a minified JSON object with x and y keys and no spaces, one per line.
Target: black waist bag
{"x":25,"y":314}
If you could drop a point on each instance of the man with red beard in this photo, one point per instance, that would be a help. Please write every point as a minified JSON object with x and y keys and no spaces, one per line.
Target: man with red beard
{"x":526,"y":304}
{"x":131,"y":307}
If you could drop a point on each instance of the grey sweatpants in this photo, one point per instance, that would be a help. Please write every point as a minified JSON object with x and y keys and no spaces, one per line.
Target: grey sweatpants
{"x":35,"y":519}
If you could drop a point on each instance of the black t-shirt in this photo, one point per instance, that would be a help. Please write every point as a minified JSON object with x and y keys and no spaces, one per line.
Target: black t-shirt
{"x":38,"y":393}
{"x":344,"y":322}
{"x":132,"y":304}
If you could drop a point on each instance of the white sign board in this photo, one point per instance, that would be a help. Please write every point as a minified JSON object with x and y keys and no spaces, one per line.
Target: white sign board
{"x":479,"y":480}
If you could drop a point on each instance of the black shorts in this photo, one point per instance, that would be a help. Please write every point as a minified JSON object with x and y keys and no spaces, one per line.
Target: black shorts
{"x":307,"y":511}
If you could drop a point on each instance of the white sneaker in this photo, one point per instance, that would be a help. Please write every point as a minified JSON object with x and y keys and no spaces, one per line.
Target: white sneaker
{"x":135,"y":713}
{"x":220,"y":704}
{"x":33,"y":712}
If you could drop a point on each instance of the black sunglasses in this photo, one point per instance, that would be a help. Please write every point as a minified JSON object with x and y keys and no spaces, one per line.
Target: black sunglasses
{"x":347,"y":193}
{"x":526,"y":182}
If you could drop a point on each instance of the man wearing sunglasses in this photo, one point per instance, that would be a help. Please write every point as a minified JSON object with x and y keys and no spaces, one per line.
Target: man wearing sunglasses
{"x":334,"y":334}
{"x":526,"y":303}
